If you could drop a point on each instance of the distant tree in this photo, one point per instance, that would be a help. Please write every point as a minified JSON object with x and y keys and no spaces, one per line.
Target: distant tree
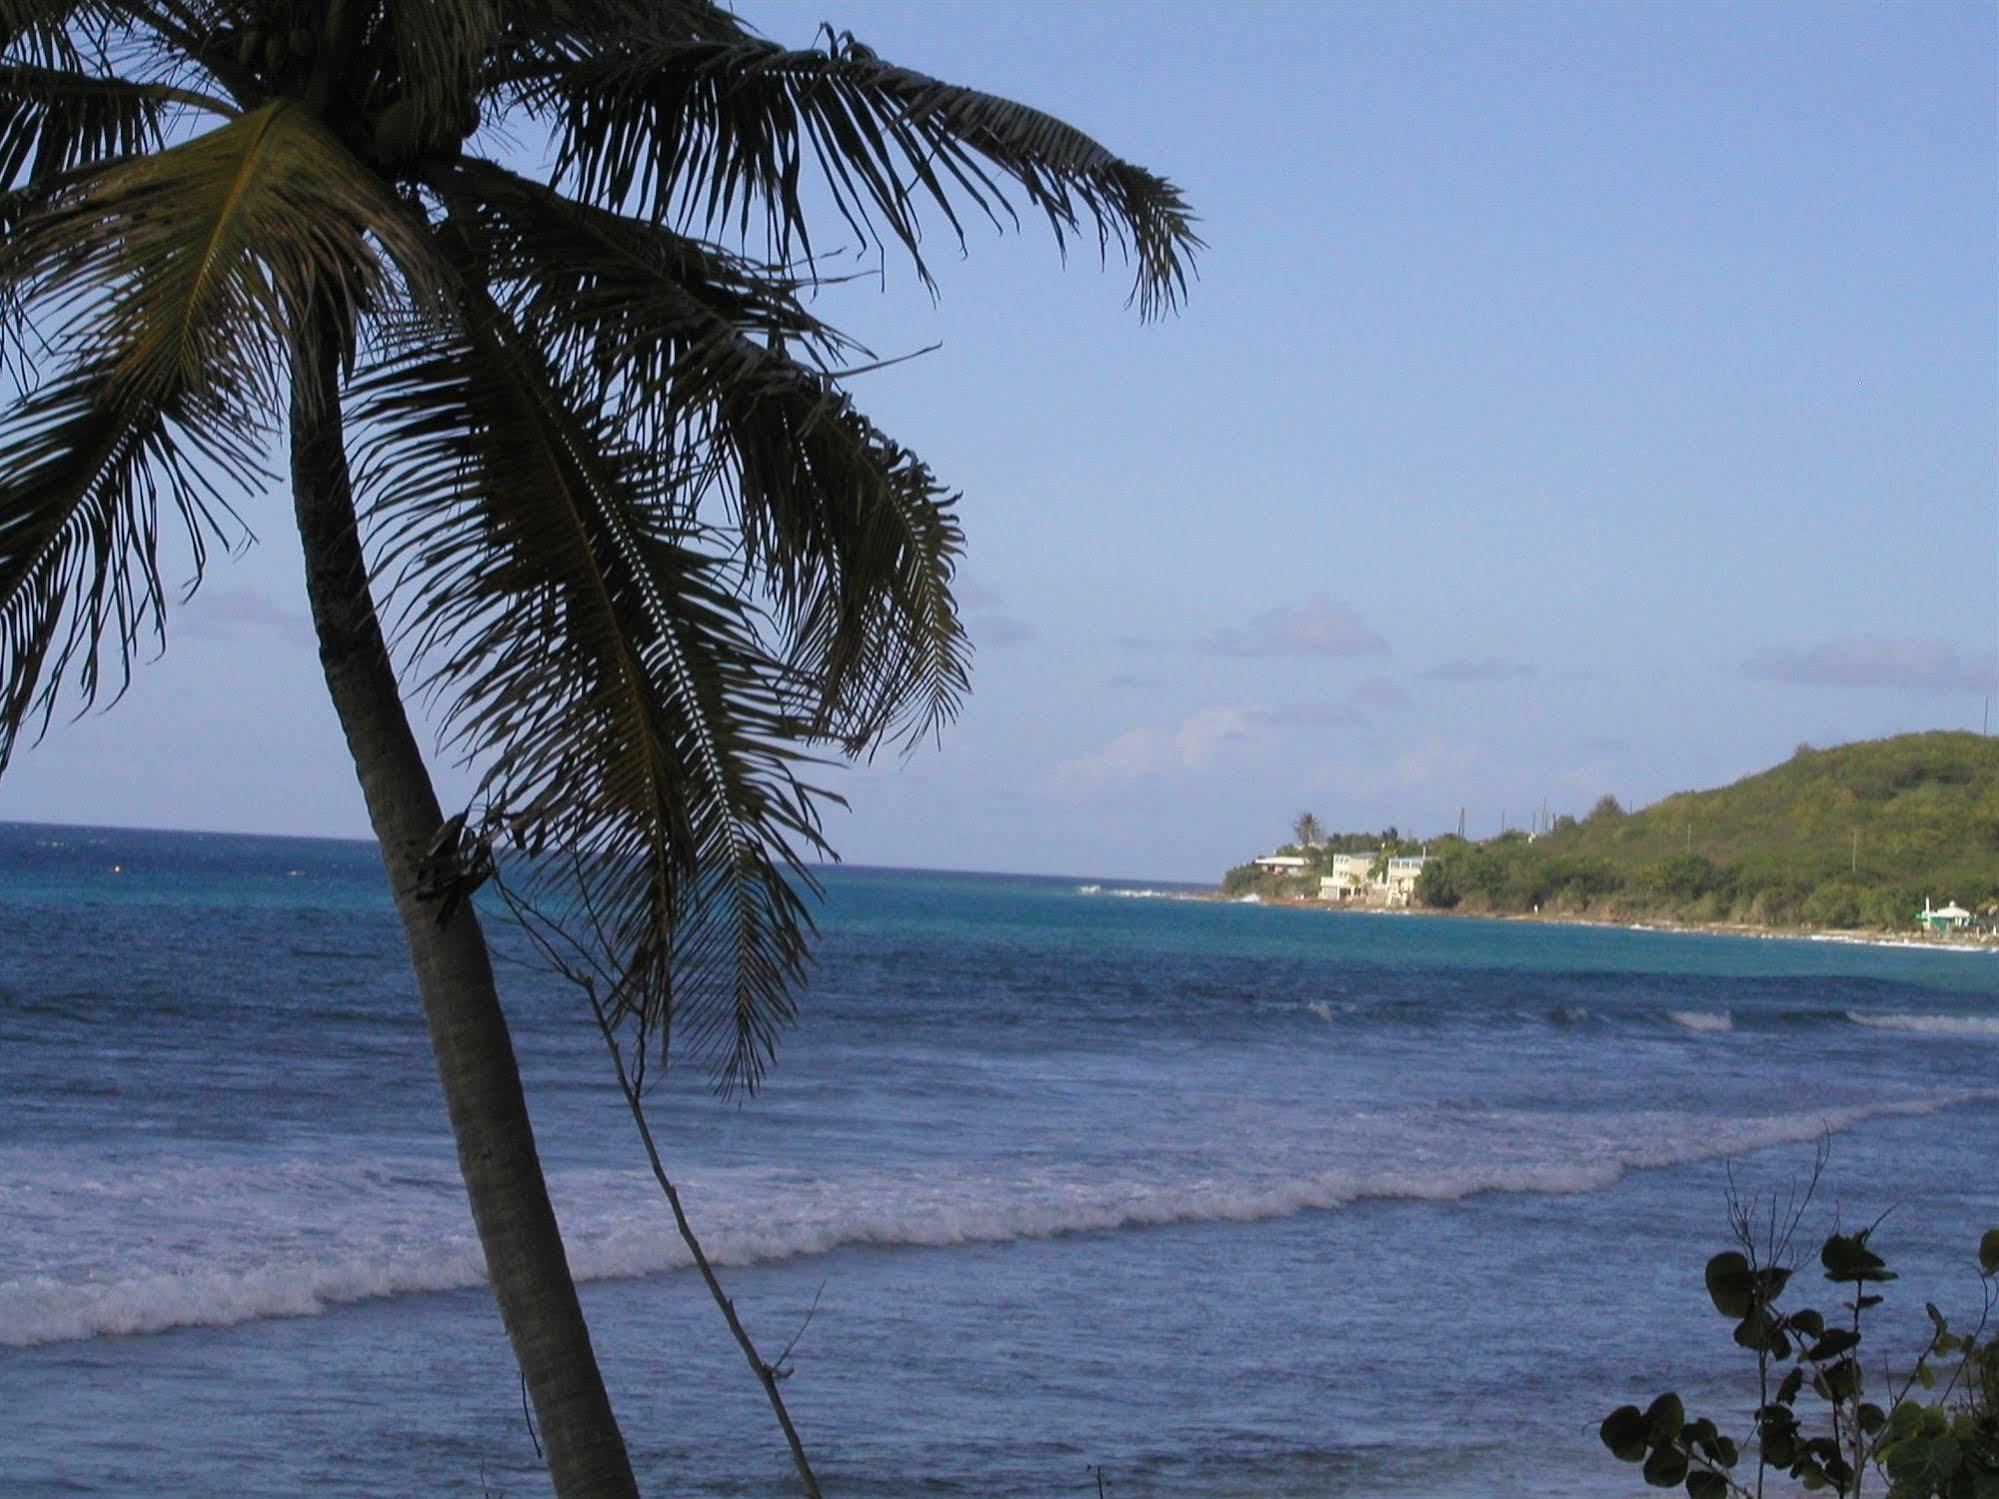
{"x":1436,"y":884}
{"x":1607,"y":806}
{"x":1684,"y":876}
{"x":1306,"y":830}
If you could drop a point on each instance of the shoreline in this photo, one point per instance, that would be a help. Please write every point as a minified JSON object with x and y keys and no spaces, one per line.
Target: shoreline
{"x":1844,"y":936}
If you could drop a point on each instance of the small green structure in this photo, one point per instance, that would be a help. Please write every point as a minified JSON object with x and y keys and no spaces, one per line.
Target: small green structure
{"x":1950,"y":918}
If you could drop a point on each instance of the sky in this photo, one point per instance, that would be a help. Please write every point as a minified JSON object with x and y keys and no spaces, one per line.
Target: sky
{"x":1574,"y":399}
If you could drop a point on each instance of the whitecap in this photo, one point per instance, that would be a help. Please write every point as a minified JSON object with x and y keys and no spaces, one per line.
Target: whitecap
{"x":1962,"y":1027}
{"x":1702,"y":1020}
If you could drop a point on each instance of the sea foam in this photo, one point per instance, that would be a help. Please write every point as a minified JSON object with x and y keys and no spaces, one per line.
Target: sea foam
{"x":1962,"y":1027}
{"x":1702,"y":1020}
{"x":616,"y":1227}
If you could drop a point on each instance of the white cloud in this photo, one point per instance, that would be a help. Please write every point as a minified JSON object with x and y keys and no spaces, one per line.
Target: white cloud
{"x":1193,"y":745}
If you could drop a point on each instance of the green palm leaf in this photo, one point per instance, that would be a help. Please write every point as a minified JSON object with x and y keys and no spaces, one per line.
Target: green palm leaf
{"x":87,"y":482}
{"x":191,"y":265}
{"x":168,"y":282}
{"x":723,"y":134}
{"x":53,"y":121}
{"x":850,"y":536}
{"x":592,"y":658}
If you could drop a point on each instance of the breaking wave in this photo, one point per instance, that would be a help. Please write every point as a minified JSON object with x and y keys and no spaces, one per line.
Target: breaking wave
{"x":1702,"y":1020}
{"x":1962,"y":1027}
{"x":420,"y":1242}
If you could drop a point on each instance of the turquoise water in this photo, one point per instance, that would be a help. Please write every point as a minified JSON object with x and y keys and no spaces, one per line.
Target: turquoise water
{"x":1220,"y":1199}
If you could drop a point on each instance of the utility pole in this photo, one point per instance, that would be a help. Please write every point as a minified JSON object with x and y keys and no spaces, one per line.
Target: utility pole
{"x":1461,"y":822}
{"x":1856,"y":851}
{"x":1690,"y":837}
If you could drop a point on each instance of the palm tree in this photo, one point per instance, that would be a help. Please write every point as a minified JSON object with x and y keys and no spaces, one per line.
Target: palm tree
{"x":596,"y":470}
{"x":1305,"y":829}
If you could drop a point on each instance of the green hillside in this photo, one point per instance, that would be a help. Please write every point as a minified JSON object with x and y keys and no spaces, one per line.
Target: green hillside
{"x":1854,"y":836}
{"x":1857,"y":836}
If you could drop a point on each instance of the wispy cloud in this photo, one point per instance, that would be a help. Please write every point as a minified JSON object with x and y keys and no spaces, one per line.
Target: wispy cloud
{"x":1131,"y":681}
{"x":218,"y":610}
{"x":1921,"y":665}
{"x":1326,"y":714}
{"x":1195,"y":744}
{"x":1479,"y":669}
{"x":996,"y":630}
{"x":972,"y":594}
{"x":1379,"y":692}
{"x":987,"y":620}
{"x":1321,"y":626}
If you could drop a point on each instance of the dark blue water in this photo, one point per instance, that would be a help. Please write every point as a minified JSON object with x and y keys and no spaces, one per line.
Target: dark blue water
{"x":1224,"y":1200}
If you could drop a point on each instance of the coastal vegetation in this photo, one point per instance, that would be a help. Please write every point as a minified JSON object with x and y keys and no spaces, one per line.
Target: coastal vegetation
{"x":1829,"y":1411}
{"x":560,"y":462}
{"x":1854,"y":837}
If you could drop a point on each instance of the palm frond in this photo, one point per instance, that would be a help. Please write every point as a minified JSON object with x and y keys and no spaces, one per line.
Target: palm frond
{"x":187,"y":267}
{"x":722,"y":135}
{"x":53,"y":121}
{"x":537,"y":35}
{"x":165,"y":287}
{"x":591,"y":656}
{"x":86,"y":480}
{"x":40,"y":31}
{"x":694,"y":351}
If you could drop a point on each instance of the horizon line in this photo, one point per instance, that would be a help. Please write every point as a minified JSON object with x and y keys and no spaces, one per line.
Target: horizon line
{"x":368,"y":841}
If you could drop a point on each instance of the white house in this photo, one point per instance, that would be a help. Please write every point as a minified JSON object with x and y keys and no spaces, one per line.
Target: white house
{"x":1354,"y":879}
{"x":1283,"y":864}
{"x":1401,"y":878}
{"x":1350,"y":875}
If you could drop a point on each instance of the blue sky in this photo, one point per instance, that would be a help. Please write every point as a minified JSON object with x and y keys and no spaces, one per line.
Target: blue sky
{"x":1574,"y":399}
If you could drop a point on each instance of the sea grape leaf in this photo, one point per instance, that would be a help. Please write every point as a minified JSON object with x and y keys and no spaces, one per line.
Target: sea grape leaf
{"x":1666,"y":1468}
{"x":1625,"y":1432}
{"x":1731,"y":1284}
{"x":1666,"y":1417}
{"x":1848,"y":1261}
{"x":1837,"y":1341}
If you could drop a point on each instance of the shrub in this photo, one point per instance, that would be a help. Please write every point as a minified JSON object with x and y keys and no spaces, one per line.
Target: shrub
{"x":1933,"y":1436}
{"x":1437,"y":884}
{"x":1683,"y":877}
{"x":1836,"y":904}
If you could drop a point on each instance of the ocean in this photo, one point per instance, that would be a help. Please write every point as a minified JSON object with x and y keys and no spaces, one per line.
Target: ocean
{"x":1075,"y":1180}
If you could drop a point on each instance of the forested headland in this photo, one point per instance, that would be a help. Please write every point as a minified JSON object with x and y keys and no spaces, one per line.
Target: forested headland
{"x":1854,"y":837}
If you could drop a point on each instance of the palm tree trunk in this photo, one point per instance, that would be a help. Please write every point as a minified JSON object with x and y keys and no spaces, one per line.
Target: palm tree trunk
{"x":468,"y":1032}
